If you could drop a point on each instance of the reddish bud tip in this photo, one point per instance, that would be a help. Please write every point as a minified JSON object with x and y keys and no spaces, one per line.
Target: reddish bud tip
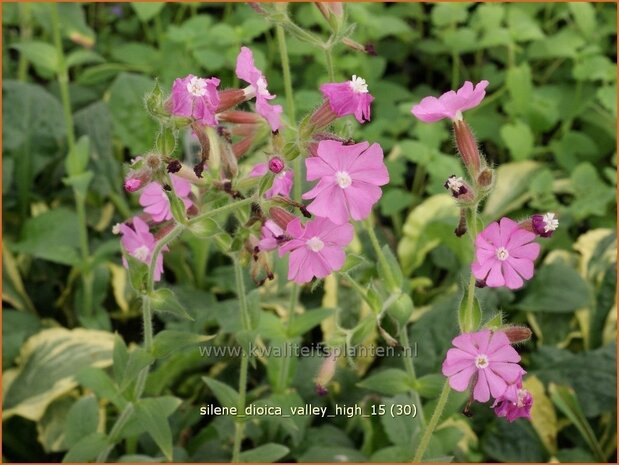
{"x":132,"y":184}
{"x":517,"y":334}
{"x":276,"y":165}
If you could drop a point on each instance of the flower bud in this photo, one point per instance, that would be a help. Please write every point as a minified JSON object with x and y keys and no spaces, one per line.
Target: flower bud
{"x":517,"y":334}
{"x":276,"y":164}
{"x":230,"y":98}
{"x":459,"y":189}
{"x":461,"y":228}
{"x":389,"y":339}
{"x":326,"y":373}
{"x":486,"y":178}
{"x":323,"y":116}
{"x":401,"y":309}
{"x":467,"y":146}
{"x":369,"y":48}
{"x":132,"y":184}
{"x":239,"y":117}
{"x":281,"y":217}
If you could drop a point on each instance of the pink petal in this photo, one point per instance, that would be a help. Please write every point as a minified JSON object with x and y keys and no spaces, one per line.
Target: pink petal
{"x":492,"y":235}
{"x":460,"y":381}
{"x":295,"y":261}
{"x":512,"y":279}
{"x":524,"y":267}
{"x":361,"y":197}
{"x":497,"y":341}
{"x":317,"y":167}
{"x":528,"y":251}
{"x":465,"y":342}
{"x":481,"y":339}
{"x":495,"y":277}
{"x":481,"y":392}
{"x":519,"y":238}
{"x":259,"y":169}
{"x":507,"y":227}
{"x":509,"y":372}
{"x":497,"y":384}
{"x":504,"y":354}
{"x":334,"y":257}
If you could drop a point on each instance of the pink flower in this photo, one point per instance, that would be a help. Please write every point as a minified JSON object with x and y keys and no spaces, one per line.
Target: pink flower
{"x":316,"y":249}
{"x":485,"y":360}
{"x":197,"y":98}
{"x":132,"y":184}
{"x":247,"y":71}
{"x":140,"y":243}
{"x":156,"y":202}
{"x":282,"y":181}
{"x":513,"y":405}
{"x":505,"y":254}
{"x":350,"y":176}
{"x":349,"y":98}
{"x":451,"y":104}
{"x":544,"y":225}
{"x":271,"y":234}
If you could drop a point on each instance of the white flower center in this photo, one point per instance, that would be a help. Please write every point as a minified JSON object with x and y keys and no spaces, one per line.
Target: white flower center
{"x":550,"y":222}
{"x":455,"y":183}
{"x":502,"y":254}
{"x":358,"y":85}
{"x":141,"y":253}
{"x":116,"y":228}
{"x":343,"y":179}
{"x":481,"y":361}
{"x":196,"y":87}
{"x":315,"y":244}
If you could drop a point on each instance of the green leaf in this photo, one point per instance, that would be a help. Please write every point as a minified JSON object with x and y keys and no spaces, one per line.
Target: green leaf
{"x":77,"y":160}
{"x":400,"y":429}
{"x":267,"y":453}
{"x":429,"y":386}
{"x":120,"y":355}
{"x":40,"y":54}
{"x":556,"y":288}
{"x":83,"y":56}
{"x":154,"y":420}
{"x":131,"y":123}
{"x":168,"y":341}
{"x":164,"y":300}
{"x":445,"y":14}
{"x":591,"y":194}
{"x":101,"y":384}
{"x":308,"y":320}
{"x":390,"y":382}
{"x":49,"y":362}
{"x":227,"y":396}
{"x":322,"y":454}
{"x":519,"y":139}
{"x":565,"y":400}
{"x":584,"y":17}
{"x":510,"y":191}
{"x":520,"y":86}
{"x":165,"y":143}
{"x":82,"y":420}
{"x":514,"y":442}
{"x":87,"y":449}
{"x":16,"y":328}
{"x":138,"y":359}
{"x":80,"y":182}
{"x":148,"y":10}
{"x":469,"y":319}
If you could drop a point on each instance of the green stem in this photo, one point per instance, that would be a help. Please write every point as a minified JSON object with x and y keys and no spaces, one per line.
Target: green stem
{"x":113,"y":437}
{"x":329,"y":62}
{"x":436,"y":416}
{"x":220,"y":210}
{"x":25,"y":33}
{"x":389,"y":277}
{"x":294,"y":298}
{"x":283,"y":55}
{"x":410,"y":370}
{"x":240,"y":425}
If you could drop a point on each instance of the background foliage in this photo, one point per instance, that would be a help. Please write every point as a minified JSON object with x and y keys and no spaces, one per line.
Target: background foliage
{"x":549,"y":123}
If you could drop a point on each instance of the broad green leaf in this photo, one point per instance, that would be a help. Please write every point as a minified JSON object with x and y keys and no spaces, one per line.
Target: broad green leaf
{"x":131,"y":123}
{"x":164,"y":300}
{"x":77,"y":159}
{"x":513,"y":442}
{"x":16,"y":328}
{"x":48,"y":364}
{"x":165,"y":143}
{"x":390,"y":382}
{"x":444,"y":14}
{"x":519,"y":84}
{"x":543,"y":416}
{"x":87,"y":449}
{"x":52,"y":236}
{"x":320,"y":454}
{"x":40,"y":54}
{"x":101,"y":384}
{"x":399,"y":428}
{"x":147,"y":10}
{"x":227,"y":396}
{"x":154,"y":420}
{"x":168,"y":341}
{"x":120,"y":355}
{"x":266,"y":453}
{"x":51,"y":427}
{"x":519,"y":139}
{"x":584,"y":17}
{"x":556,"y":288}
{"x":82,"y":420}
{"x":308,"y":320}
{"x":565,"y":399}
{"x":510,"y":191}
{"x":591,"y":194}
{"x":138,"y":359}
{"x":429,"y":386}
{"x":82,"y":57}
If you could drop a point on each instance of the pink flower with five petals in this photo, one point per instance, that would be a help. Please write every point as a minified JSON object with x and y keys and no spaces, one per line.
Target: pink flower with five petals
{"x":483,"y":360}
{"x":451,"y":104}
{"x":505,"y":254}
{"x":514,"y":405}
{"x":247,"y":71}
{"x":139,"y":242}
{"x":349,"y":179}
{"x":195,"y":97}
{"x":349,"y":98}
{"x":316,"y":248}
{"x":156,"y":202}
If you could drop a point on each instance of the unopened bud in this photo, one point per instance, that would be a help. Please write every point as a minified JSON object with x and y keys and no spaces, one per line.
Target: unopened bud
{"x":467,"y":146}
{"x":517,"y":334}
{"x":486,"y":178}
{"x":323,"y":116}
{"x":239,"y":117}
{"x":230,"y":98}
{"x":326,"y":373}
{"x":281,"y":217}
{"x":132,"y":184}
{"x":153,"y":161}
{"x":459,"y":189}
{"x":276,"y":165}
{"x":461,"y":228}
{"x":369,"y":48}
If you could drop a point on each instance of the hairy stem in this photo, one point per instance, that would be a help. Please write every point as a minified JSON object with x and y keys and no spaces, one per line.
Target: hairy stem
{"x":283,"y":55}
{"x":240,"y":425}
{"x":436,"y":416}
